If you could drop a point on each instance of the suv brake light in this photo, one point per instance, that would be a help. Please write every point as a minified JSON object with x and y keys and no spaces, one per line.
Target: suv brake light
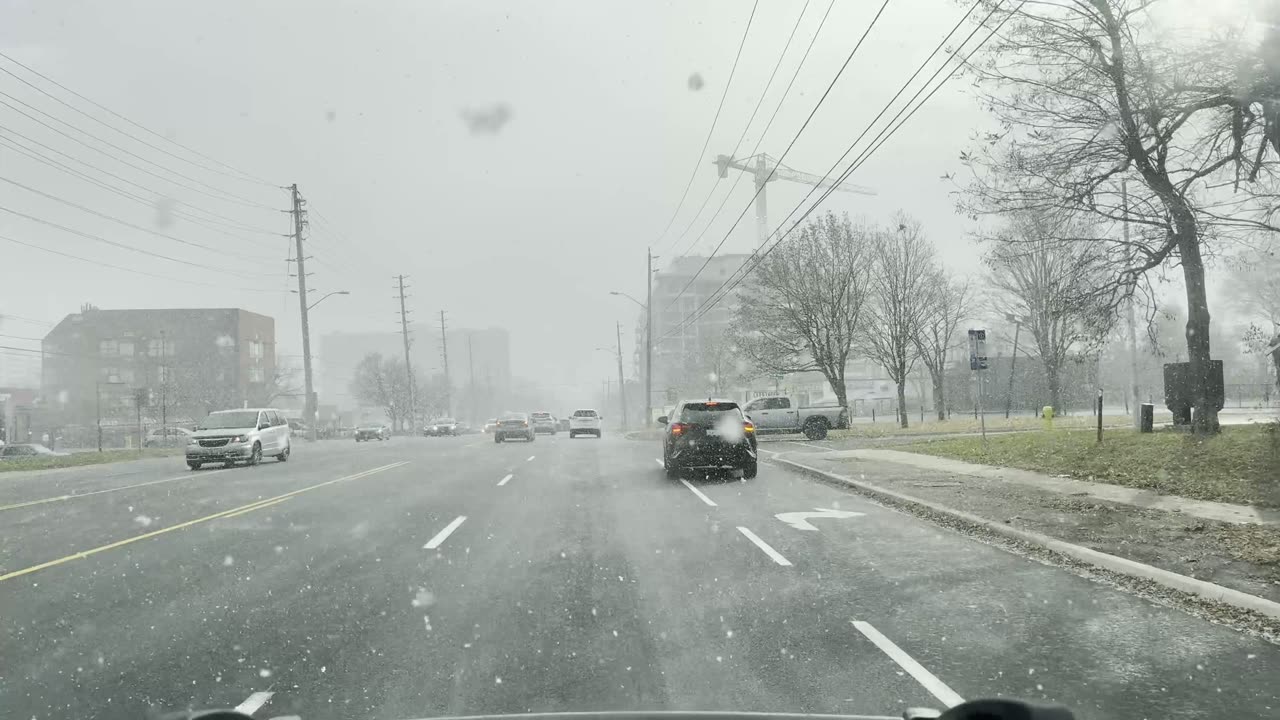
{"x":748,"y":426}
{"x":678,"y":428}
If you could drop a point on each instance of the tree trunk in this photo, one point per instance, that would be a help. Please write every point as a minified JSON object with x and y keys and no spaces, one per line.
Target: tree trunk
{"x":1204,"y":412}
{"x":939,"y":400}
{"x":1055,"y":387}
{"x":902,"y":403}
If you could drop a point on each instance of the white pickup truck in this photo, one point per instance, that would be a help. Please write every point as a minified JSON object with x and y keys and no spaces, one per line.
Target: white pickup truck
{"x":780,"y":414}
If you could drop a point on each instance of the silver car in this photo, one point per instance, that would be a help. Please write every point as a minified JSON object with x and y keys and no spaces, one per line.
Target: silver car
{"x":232,"y":436}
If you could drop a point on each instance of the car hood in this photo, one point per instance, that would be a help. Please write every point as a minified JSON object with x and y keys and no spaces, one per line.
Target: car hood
{"x":222,"y":432}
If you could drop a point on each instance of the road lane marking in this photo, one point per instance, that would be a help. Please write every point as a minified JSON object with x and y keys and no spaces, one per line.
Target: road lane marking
{"x":444,"y":534}
{"x":531,"y":457}
{"x":504,"y":480}
{"x":698,"y":492}
{"x":256,"y":507}
{"x":773,"y":554}
{"x":250,"y":506}
{"x":659,"y":461}
{"x":254,"y":702}
{"x":800,"y":520}
{"x":936,"y":687}
{"x":74,"y":496}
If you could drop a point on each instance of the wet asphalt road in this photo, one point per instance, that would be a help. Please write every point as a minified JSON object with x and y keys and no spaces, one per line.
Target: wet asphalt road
{"x":424,"y":577}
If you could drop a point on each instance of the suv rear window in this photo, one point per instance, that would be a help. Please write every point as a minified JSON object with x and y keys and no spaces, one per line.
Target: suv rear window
{"x":707,"y":413}
{"x":584,"y":413}
{"x":541,"y":416}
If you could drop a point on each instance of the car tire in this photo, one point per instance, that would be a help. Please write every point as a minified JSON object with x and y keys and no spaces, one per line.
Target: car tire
{"x":284,"y":456}
{"x":194,"y":465}
{"x":672,"y":469}
{"x":572,"y":435}
{"x":597,"y":434}
{"x":816,"y":428}
{"x":255,"y":457}
{"x":750,"y":469}
{"x":497,"y":438}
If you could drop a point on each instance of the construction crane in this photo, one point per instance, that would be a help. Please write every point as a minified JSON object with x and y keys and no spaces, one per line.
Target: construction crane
{"x":767,"y":169}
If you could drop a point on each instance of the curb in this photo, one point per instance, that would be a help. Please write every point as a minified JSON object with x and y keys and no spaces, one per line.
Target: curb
{"x":1119,"y":565}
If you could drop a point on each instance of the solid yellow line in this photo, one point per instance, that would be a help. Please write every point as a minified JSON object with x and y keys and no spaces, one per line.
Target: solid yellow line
{"x":42,"y":501}
{"x":269,"y":503}
{"x":225,"y":513}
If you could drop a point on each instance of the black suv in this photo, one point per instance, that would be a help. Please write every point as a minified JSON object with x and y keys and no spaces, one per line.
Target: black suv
{"x":709,"y":435}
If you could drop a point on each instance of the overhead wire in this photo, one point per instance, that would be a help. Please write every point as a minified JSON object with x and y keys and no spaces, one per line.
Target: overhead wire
{"x":125,"y":223}
{"x":735,"y":279}
{"x":768,"y":84}
{"x":99,"y":263}
{"x":33,"y":321}
{"x":118,"y":116}
{"x":697,"y":162}
{"x":763,"y":133}
{"x":229,"y":197}
{"x":224,"y":219}
{"x":122,"y":246}
{"x":821,"y":100}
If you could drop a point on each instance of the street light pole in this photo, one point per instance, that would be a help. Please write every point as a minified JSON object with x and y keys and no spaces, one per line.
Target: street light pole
{"x":648,"y":338}
{"x":622,"y":386}
{"x":1013,"y":365}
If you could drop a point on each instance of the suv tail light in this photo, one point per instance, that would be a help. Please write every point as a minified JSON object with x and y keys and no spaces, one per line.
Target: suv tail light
{"x":748,"y":426}
{"x":678,"y":428}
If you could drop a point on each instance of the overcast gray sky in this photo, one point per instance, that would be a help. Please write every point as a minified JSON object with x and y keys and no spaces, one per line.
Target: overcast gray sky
{"x":361,"y":104}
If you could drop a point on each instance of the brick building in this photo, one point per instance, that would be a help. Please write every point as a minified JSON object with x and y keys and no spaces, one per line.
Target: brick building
{"x":181,"y":363}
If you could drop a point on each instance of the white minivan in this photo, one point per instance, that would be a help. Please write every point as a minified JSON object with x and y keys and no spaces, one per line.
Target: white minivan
{"x":584,"y":422}
{"x":232,"y":436}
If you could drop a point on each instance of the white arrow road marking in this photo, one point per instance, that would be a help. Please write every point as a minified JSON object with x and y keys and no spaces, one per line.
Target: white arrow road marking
{"x":939,"y":689}
{"x":504,"y":480}
{"x":773,"y":554}
{"x":698,"y":492}
{"x":252,"y":703}
{"x":531,"y":457}
{"x":444,"y":534}
{"x":800,"y":520}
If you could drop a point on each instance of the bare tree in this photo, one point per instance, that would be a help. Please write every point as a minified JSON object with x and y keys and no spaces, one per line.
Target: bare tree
{"x":801,"y":307}
{"x":902,"y":266}
{"x":1048,"y":282}
{"x":946,"y":306}
{"x":281,"y":382}
{"x":379,"y":382}
{"x":1089,"y":94}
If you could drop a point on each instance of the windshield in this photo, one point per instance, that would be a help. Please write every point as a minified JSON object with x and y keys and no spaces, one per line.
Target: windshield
{"x":905,"y":351}
{"x":223,"y":420}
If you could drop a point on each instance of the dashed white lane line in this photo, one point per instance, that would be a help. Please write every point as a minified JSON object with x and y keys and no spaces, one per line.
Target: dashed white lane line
{"x":504,"y":480}
{"x":444,"y":534}
{"x":939,"y":689}
{"x":531,"y":457}
{"x":254,"y":702}
{"x":773,"y":554}
{"x":698,"y":492}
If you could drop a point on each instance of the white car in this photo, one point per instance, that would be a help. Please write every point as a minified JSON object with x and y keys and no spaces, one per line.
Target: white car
{"x":584,"y":422}
{"x":232,"y":436}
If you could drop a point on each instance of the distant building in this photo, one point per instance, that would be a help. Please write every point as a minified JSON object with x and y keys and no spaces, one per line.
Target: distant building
{"x":178,"y":363}
{"x":673,"y":303}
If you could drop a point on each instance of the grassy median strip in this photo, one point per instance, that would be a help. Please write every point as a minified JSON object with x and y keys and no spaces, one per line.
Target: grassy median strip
{"x":84,"y":458}
{"x":885,"y":426}
{"x":1240,"y":465}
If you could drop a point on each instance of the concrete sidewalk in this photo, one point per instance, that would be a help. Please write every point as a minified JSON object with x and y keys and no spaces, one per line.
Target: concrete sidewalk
{"x":1146,"y":499}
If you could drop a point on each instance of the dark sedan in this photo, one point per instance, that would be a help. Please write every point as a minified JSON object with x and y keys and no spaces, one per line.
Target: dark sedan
{"x":373,"y":432}
{"x":514,"y":425}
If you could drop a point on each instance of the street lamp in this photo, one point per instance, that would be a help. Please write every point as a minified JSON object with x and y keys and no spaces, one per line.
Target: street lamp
{"x":648,"y":353}
{"x":622,"y":294}
{"x":1013,"y":361}
{"x":335,"y":292}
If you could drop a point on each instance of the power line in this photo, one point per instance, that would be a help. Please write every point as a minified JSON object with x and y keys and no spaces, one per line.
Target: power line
{"x":33,"y":321}
{"x":697,"y":162}
{"x":734,"y":279}
{"x":747,"y":126}
{"x":122,"y":246}
{"x":230,"y":197}
{"x":27,"y":151}
{"x":790,"y":145}
{"x":91,"y":211}
{"x":760,"y":139}
{"x":117,"y":115}
{"x":100,"y":263}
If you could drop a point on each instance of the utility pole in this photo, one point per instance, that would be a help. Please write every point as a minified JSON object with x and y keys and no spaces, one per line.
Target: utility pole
{"x":648,"y":339}
{"x":622,"y":386}
{"x":1133,"y":324}
{"x":471,"y":363}
{"x":444,"y":358}
{"x":408,"y":367}
{"x":164,"y":388}
{"x":299,"y":221}
{"x":1013,"y":365}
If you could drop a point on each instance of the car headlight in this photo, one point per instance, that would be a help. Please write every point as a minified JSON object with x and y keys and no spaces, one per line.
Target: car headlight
{"x":192,"y":442}
{"x":239,"y":439}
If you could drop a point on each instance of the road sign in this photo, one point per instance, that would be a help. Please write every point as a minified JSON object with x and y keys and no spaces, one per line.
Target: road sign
{"x":800,"y":520}
{"x":978,"y":350}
